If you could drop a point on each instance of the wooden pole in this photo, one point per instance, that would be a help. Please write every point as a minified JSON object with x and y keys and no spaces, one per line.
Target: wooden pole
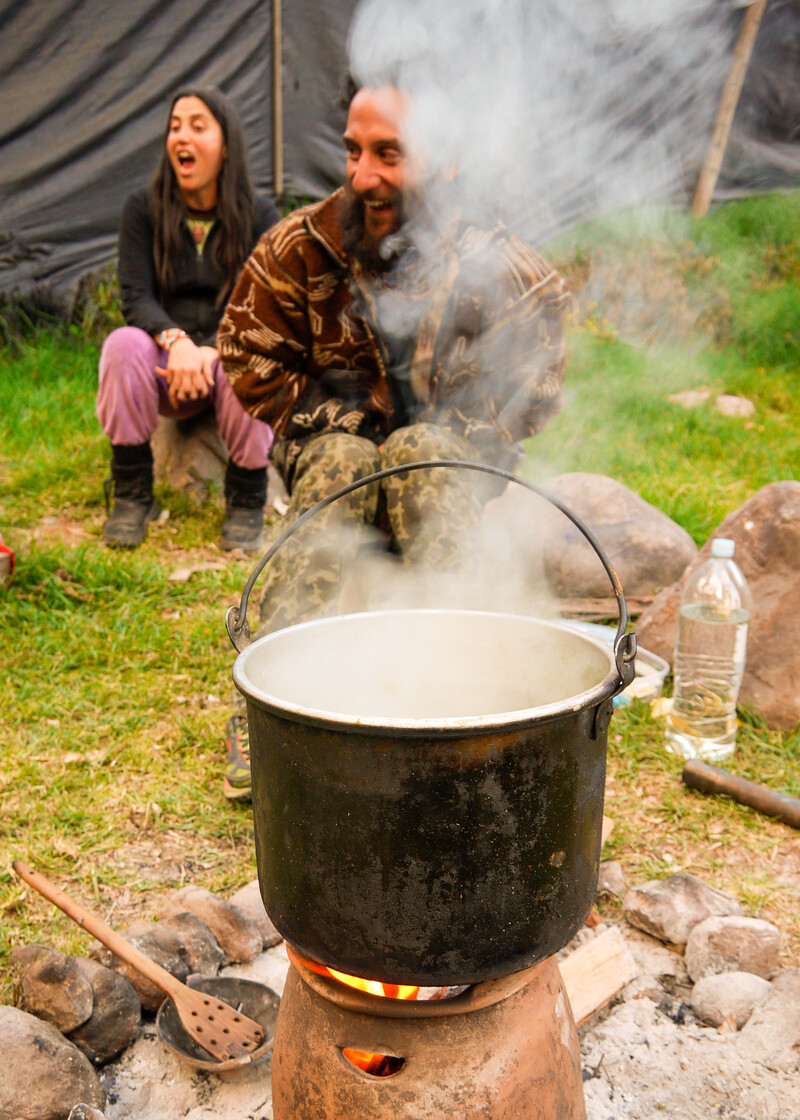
{"x":713,"y":779}
{"x":727,"y":107}
{"x":277,"y":99}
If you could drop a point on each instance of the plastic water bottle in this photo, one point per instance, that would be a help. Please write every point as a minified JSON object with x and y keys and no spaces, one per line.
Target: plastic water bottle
{"x":709,"y":658}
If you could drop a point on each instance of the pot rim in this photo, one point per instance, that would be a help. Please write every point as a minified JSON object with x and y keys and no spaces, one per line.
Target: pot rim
{"x":609,"y":686}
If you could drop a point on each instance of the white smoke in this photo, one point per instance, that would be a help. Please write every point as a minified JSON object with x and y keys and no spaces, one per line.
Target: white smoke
{"x":551,"y":111}
{"x":540,"y":115}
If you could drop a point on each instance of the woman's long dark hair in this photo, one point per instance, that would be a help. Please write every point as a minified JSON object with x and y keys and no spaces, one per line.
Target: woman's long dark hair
{"x":234,"y":209}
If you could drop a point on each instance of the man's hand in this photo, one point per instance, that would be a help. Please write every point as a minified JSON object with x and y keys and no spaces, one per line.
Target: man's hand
{"x":190,"y":371}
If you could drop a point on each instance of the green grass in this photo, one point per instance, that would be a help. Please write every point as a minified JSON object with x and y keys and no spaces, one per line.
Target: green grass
{"x":117,"y":679}
{"x":724,"y":315}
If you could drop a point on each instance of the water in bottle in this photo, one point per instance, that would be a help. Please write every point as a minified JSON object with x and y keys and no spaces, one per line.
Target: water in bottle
{"x":709,"y":658}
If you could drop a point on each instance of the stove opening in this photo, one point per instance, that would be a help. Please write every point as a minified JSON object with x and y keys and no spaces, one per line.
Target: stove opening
{"x":376,"y":1065}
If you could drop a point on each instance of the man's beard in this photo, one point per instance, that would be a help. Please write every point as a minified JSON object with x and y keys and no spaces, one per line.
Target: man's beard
{"x":371,"y":254}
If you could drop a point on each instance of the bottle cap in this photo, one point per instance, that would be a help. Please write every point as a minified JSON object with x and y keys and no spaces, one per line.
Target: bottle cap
{"x":723,"y":548}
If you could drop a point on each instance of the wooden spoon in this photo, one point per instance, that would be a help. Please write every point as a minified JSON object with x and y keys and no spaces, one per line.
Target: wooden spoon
{"x":213,"y":1024}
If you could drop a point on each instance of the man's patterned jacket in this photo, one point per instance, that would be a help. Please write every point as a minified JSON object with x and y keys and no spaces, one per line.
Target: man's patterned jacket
{"x":303,"y":349}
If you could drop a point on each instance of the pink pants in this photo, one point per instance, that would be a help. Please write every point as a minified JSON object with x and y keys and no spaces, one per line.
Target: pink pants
{"x":132,"y":396}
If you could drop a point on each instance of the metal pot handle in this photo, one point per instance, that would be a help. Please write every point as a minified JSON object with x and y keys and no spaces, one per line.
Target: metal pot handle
{"x":624,"y":644}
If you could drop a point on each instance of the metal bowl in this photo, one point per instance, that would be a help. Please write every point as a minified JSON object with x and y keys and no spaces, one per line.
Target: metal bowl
{"x":252,"y":998}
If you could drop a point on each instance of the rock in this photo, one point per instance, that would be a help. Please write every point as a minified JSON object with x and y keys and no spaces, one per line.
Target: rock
{"x":197,"y":943}
{"x":737,"y":407}
{"x":647,"y":550}
{"x":611,"y":879}
{"x":766,"y":530}
{"x":670,"y":908}
{"x":729,"y":996}
{"x":733,"y":944}
{"x":772,"y":1033}
{"x":190,"y":454}
{"x":117,"y":1013}
{"x":55,"y":989}
{"x":44,"y":1075}
{"x":249,"y":899}
{"x":690,"y":398}
{"x":159,"y":947}
{"x":237,"y":934}
{"x":187,"y":936}
{"x":86,"y":1112}
{"x":25,"y":955}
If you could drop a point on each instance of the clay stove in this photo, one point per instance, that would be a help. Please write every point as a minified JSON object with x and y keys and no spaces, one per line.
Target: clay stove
{"x":503,"y":1048}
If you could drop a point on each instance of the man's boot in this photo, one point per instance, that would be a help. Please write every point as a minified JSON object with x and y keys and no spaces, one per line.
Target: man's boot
{"x":134,"y":505}
{"x":245,"y":495}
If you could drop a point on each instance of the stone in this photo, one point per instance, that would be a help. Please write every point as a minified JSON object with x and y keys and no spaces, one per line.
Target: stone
{"x":611,"y":880}
{"x":86,"y":1112}
{"x":237,"y":934}
{"x":249,"y":899}
{"x":55,"y":989}
{"x":733,"y":944}
{"x":690,"y":398}
{"x":159,"y":948}
{"x":772,"y":1033}
{"x":728,"y":996}
{"x":116,"y":1015}
{"x":190,"y":454}
{"x":736,"y":407}
{"x":766,"y":530}
{"x":25,"y":955}
{"x":187,"y":936}
{"x":44,"y":1075}
{"x":670,"y":908}
{"x":646,"y":548}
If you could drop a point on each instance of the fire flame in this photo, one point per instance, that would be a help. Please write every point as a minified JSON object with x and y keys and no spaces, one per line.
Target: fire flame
{"x":374,"y":987}
{"x":378,"y":1065}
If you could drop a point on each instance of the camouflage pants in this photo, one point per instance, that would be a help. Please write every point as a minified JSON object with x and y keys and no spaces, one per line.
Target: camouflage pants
{"x":420,"y":518}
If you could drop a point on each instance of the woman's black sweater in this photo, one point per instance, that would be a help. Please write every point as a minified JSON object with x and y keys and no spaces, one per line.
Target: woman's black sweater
{"x":192,"y":301}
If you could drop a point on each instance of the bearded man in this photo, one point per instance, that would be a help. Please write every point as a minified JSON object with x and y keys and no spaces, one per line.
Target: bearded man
{"x":362,"y":351}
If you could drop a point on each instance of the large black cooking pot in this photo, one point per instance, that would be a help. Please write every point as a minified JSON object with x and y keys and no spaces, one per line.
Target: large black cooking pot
{"x":428,"y":784}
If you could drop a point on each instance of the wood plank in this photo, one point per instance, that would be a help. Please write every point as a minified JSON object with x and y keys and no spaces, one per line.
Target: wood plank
{"x":595,"y":972}
{"x":598,"y":609}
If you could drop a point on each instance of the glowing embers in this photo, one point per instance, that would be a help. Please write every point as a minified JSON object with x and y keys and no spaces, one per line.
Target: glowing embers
{"x":376,"y":1065}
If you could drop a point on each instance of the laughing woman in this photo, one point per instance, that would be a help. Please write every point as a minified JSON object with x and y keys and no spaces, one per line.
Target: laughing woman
{"x":182,"y":243}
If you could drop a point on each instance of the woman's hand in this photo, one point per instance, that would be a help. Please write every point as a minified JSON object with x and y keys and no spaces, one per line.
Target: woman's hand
{"x":189,"y":372}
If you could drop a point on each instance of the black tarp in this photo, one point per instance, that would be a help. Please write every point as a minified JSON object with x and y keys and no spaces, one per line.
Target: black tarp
{"x":84,"y":86}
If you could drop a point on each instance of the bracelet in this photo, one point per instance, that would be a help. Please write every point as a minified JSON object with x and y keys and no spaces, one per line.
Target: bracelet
{"x":166,"y":338}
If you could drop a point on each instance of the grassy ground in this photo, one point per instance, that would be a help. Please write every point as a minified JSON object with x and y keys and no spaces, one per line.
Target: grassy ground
{"x":117,"y":678}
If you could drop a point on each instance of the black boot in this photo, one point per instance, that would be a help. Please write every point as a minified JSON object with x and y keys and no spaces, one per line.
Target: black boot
{"x":134,"y":505}
{"x":245,"y":495}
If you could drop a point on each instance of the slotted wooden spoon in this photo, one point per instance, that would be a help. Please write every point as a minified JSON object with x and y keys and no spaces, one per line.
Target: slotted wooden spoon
{"x":216,"y":1026}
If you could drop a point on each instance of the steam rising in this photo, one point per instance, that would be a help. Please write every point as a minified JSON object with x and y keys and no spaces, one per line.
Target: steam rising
{"x":540,"y":115}
{"x":553,"y":111}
